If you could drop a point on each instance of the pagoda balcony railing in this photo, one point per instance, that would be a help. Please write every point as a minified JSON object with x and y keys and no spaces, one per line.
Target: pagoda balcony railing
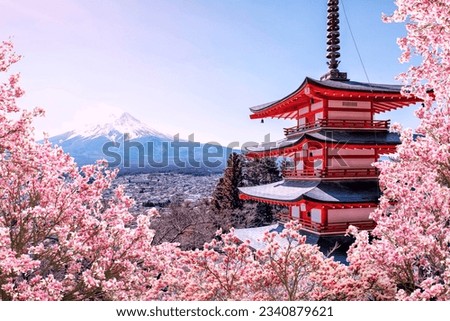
{"x":332,"y":228}
{"x":339,"y":123}
{"x":331,"y":172}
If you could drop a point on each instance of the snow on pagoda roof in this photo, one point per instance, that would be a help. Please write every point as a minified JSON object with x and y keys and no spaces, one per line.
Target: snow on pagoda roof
{"x":255,"y":235}
{"x":284,"y":190}
{"x":344,"y":191}
{"x":333,"y":136}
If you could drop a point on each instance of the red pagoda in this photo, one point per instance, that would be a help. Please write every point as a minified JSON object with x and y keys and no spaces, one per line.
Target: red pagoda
{"x":331,"y":183}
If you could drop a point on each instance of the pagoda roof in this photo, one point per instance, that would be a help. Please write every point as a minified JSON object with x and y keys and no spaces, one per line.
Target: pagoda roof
{"x":255,"y":235}
{"x":292,"y":191}
{"x":385,"y":97}
{"x":357,"y":86}
{"x":335,"y":137}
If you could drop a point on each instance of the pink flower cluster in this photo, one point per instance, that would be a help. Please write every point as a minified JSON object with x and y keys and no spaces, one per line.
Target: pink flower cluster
{"x":409,"y":257}
{"x":286,"y":269}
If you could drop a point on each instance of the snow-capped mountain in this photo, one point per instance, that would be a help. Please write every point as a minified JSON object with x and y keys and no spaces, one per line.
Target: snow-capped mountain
{"x":93,"y":142}
{"x":126,"y":142}
{"x":115,"y":127}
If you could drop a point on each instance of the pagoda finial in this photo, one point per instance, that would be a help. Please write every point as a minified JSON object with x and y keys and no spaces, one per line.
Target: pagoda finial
{"x":333,"y":43}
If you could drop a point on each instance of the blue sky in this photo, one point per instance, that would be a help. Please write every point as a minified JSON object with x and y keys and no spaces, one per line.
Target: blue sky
{"x":187,"y":66}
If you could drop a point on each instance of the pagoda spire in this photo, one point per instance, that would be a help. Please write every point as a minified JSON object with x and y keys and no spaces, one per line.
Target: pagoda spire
{"x":333,"y":43}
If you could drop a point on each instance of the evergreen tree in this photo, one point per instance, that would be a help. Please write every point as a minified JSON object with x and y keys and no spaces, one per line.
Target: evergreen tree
{"x":244,"y":172}
{"x":261,"y":171}
{"x":264,"y":214}
{"x":226,"y":195}
{"x":257,"y":172}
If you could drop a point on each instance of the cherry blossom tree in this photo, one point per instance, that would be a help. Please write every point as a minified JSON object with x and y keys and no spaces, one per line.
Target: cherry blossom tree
{"x":60,"y":237}
{"x":409,"y":257}
{"x":287,"y":268}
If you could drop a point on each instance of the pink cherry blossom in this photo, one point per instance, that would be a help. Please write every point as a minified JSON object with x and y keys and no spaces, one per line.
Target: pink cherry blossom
{"x":408,"y":259}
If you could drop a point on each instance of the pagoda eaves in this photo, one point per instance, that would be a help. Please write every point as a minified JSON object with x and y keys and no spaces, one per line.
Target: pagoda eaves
{"x":383,"y":142}
{"x":383,"y":97}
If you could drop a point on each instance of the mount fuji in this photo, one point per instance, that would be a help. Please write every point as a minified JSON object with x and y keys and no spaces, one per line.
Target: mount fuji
{"x":113,"y":128}
{"x":127,"y":143}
